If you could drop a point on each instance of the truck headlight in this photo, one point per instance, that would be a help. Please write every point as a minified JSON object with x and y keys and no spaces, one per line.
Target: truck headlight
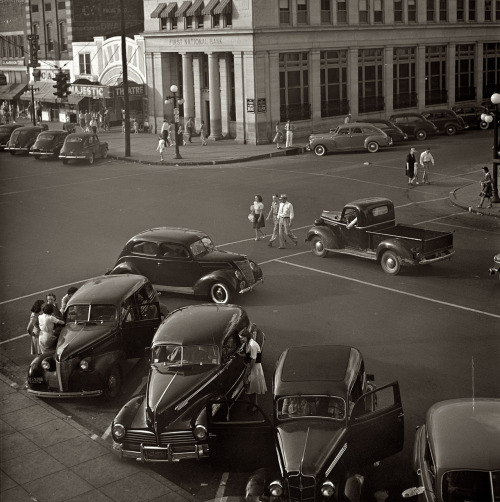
{"x":253,"y":266}
{"x":276,"y":489}
{"x":118,"y":432}
{"x":200,"y":432}
{"x":238,"y":275}
{"x":46,"y":364}
{"x":84,"y":365}
{"x":327,"y":489}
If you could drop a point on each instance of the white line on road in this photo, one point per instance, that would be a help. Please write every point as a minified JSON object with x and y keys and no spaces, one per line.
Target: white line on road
{"x":219,"y":496}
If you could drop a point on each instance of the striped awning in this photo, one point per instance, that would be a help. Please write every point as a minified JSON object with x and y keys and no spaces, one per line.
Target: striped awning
{"x":225,"y":7}
{"x":43,"y":91}
{"x":195,"y":10}
{"x":12,"y":91}
{"x":170,"y":10}
{"x":157,"y":11}
{"x":181,"y":12}
{"x":209,"y":9}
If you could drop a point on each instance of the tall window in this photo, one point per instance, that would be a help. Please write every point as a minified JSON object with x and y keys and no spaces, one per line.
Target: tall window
{"x":48,"y":6}
{"x":435,"y":75}
{"x":294,"y":86}
{"x":189,"y":22}
{"x":464,"y":73}
{"x":460,"y":11}
{"x":497,"y":10}
{"x":61,"y":5}
{"x":370,"y":80}
{"x":488,"y":10}
{"x":84,"y":61}
{"x":398,"y":11}
{"x":443,"y":10}
{"x":404,"y":80}
{"x":364,"y":15}
{"x":49,"y":37}
{"x":284,"y":11}
{"x":63,"y":33}
{"x":378,"y":11}
{"x":333,"y":75}
{"x":20,"y":46}
{"x":199,"y":21}
{"x":302,"y":14}
{"x":412,"y":11}
{"x":491,"y":69}
{"x":430,"y":11}
{"x":326,"y":11}
{"x":472,"y":10}
{"x":341,"y":12}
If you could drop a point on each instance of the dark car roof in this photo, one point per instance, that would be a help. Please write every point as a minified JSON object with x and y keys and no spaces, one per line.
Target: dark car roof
{"x":199,"y":324}
{"x":465,"y":434}
{"x":179,"y":234}
{"x":317,"y":369}
{"x":408,"y":114}
{"x":369,"y":203}
{"x":439,"y":110}
{"x":9,"y":127}
{"x":56,"y":133}
{"x":108,"y":289}
{"x":82,"y":135}
{"x":30,"y":128}
{"x":380,"y":121}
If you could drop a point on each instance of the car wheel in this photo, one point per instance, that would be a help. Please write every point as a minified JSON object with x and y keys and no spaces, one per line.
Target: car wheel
{"x":483,"y":125}
{"x":37,"y":157}
{"x":319,"y":150}
{"x":113,"y":383}
{"x":451,"y":130}
{"x":421,"y":135}
{"x":373,"y":146}
{"x":91,"y":158}
{"x":105,"y":153}
{"x":390,"y":263}
{"x":220,"y":293}
{"x":318,"y":247}
{"x":64,"y":161}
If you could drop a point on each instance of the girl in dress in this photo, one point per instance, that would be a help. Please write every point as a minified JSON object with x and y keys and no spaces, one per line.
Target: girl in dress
{"x":278,"y":137}
{"x":487,"y":188}
{"x":48,"y":340}
{"x":34,"y":327}
{"x":259,"y":221}
{"x":253,"y":379}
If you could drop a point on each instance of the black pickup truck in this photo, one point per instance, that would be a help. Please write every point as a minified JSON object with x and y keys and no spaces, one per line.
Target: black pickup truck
{"x":366,"y":228}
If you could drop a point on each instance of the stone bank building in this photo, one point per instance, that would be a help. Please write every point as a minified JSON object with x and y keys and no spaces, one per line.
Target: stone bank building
{"x":242,"y":65}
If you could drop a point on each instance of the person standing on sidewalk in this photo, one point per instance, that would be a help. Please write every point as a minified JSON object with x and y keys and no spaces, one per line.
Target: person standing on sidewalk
{"x":161,"y":146}
{"x":164,"y":131}
{"x":34,"y":327}
{"x":486,"y":188}
{"x":189,"y":129}
{"x":278,"y":137}
{"x":289,"y":128}
{"x":275,"y":205}
{"x":411,"y":166}
{"x":426,"y":159}
{"x":203,"y":133}
{"x":285,"y":217}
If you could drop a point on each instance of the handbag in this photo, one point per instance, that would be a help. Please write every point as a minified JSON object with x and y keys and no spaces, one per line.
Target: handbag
{"x":250,"y":217}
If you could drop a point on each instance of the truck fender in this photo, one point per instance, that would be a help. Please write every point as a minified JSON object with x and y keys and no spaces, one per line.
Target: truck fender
{"x":329,"y":238}
{"x":202,"y":286}
{"x":396,"y":246}
{"x":124,"y":268}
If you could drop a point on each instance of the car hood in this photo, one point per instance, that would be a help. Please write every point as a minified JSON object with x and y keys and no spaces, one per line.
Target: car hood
{"x":219,"y":255}
{"x":77,"y":337}
{"x":307,"y":445}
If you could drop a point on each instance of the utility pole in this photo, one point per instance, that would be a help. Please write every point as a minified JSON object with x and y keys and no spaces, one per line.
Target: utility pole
{"x":125,"y":82}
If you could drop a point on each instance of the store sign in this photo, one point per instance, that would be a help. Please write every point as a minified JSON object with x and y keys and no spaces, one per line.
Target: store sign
{"x":13,"y":62}
{"x":90,"y":91}
{"x":133,"y":90}
{"x":261,"y":105}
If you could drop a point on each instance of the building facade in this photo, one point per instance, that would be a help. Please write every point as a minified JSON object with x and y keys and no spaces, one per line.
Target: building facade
{"x":242,"y":65}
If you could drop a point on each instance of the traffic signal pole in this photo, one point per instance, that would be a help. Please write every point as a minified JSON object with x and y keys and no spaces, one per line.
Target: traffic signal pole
{"x":125,"y":82}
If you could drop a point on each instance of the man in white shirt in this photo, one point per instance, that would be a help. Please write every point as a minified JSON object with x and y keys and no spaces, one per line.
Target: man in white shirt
{"x":285,"y":217}
{"x":426,"y":159}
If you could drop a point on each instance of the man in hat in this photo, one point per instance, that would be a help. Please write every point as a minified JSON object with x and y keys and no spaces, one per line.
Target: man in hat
{"x":426,"y":159}
{"x":411,"y":167}
{"x":285,"y":217}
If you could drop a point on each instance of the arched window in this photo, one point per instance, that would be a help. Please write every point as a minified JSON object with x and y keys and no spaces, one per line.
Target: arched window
{"x":49,"y":37}
{"x":63,"y":33}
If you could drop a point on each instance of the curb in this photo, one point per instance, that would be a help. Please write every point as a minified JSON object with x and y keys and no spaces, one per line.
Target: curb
{"x":470,"y":209}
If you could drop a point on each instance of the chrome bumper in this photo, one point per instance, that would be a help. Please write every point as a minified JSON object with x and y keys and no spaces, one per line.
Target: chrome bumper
{"x":72,"y":157}
{"x":259,"y":281}
{"x":83,"y":393}
{"x":41,"y":153}
{"x":164,"y":454}
{"x":445,"y":256}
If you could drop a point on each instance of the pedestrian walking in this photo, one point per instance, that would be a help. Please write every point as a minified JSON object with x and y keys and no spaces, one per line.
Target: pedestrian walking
{"x":34,"y":327}
{"x":135,"y":125}
{"x":81,"y":121}
{"x":189,"y":129}
{"x":106,"y":119}
{"x":411,"y":166}
{"x":203,"y":133}
{"x":285,"y":218}
{"x":164,"y":131}
{"x":253,"y":378}
{"x":259,"y":221}
{"x":172,"y":133}
{"x":426,"y":159}
{"x":93,"y":125}
{"x":486,"y":188}
{"x":278,"y":136}
{"x":289,"y":128}
{"x":161,"y":146}
{"x":275,"y":205}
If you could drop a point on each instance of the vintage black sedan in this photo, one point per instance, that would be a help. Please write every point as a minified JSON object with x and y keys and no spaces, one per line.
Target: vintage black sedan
{"x":329,"y":421}
{"x":5,"y":133}
{"x":48,"y":144}
{"x":23,"y":138}
{"x":181,"y":260}
{"x":109,"y":320}
{"x":83,"y":145}
{"x":193,"y":358}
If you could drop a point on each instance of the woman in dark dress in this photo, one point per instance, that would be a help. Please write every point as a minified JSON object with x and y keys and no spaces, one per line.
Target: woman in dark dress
{"x":487,"y":188}
{"x":411,"y":164}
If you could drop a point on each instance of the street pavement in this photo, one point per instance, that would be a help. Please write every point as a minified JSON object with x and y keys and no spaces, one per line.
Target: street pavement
{"x":46,"y":456}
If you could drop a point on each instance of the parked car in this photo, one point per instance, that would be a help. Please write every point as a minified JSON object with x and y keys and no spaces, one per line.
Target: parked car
{"x":83,"y":145}
{"x":23,"y":138}
{"x":471,"y":115}
{"x":109,"y":320}
{"x":181,"y":260}
{"x":328,"y":419}
{"x":48,"y":144}
{"x":495,"y":269}
{"x":5,"y":133}
{"x":389,"y":128}
{"x":193,"y":358}
{"x":456,"y":452}
{"x":366,"y":228}
{"x":349,"y":137}
{"x":414,"y":124}
{"x":446,"y":121}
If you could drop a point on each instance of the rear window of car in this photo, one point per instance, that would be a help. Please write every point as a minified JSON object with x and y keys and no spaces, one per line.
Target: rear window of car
{"x":378,"y":211}
{"x":144,"y":248}
{"x":47,"y":136}
{"x":74,"y":139}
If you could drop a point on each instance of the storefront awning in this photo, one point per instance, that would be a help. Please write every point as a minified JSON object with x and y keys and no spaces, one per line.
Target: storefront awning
{"x":209,"y":9}
{"x":225,"y":7}
{"x":183,"y":8}
{"x":195,"y":10}
{"x":159,"y":8}
{"x":74,"y":99}
{"x":170,"y":10}
{"x":42,"y":90}
{"x":12,"y":91}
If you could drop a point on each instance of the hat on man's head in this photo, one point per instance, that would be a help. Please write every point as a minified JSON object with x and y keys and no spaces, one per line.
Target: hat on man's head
{"x":283,"y":196}
{"x":413,"y":150}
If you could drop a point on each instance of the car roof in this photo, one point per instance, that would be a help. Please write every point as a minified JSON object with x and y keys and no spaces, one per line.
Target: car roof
{"x":465,"y":434}
{"x":355,"y":124}
{"x":369,"y":203}
{"x":375,"y":121}
{"x":317,"y":369}
{"x":407,"y":114}
{"x":109,"y":289}
{"x":30,"y":128}
{"x":82,"y":135}
{"x":57,"y":132}
{"x":186,"y":235}
{"x":199,"y":324}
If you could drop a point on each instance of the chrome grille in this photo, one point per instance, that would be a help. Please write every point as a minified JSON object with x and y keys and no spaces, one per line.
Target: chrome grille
{"x":301,"y":488}
{"x":244,"y":266}
{"x":134,"y":439}
{"x":64,"y":370}
{"x":185,"y":437}
{"x":178,"y":440}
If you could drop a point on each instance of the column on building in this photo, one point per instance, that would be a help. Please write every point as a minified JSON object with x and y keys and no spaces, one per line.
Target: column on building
{"x":421,"y":77}
{"x":214,"y":93}
{"x":188,"y":85}
{"x":156,"y":62}
{"x":389,"y":80}
{"x":197,"y":88}
{"x":352,"y":82}
{"x":239,"y":98}
{"x":478,"y":71}
{"x":315,"y":93}
{"x":450,"y":73}
{"x":274,"y":104}
{"x":225,"y":92}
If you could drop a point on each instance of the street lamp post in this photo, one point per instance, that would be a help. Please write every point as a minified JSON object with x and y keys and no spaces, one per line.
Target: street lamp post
{"x":32,"y":88}
{"x":174,"y":90}
{"x":488,"y":118}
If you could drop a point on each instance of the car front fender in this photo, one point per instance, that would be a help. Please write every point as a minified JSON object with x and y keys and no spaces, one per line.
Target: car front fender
{"x":124,"y":268}
{"x":416,"y":448}
{"x":202,"y":285}
{"x":103,"y":362}
{"x":326,"y":234}
{"x":130,"y":411}
{"x":398,"y":247}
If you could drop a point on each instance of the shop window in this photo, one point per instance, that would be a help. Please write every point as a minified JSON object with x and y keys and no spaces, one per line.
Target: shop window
{"x":341,"y":12}
{"x":378,"y":11}
{"x":370,"y":80}
{"x":294,"y":86}
{"x":216,"y":20}
{"x":412,"y":11}
{"x":84,"y":63}
{"x":302,"y":13}
{"x":199,"y":21}
{"x":326,"y":11}
{"x":398,"y":11}
{"x":460,"y":11}
{"x":229,"y":19}
{"x":49,"y":37}
{"x":333,"y":83}
{"x":364,"y":17}
{"x":64,"y":36}
{"x":404,"y":81}
{"x":435,"y":75}
{"x":284,"y":11}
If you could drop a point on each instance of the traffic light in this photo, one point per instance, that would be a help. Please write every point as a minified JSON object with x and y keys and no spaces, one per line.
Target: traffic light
{"x":33,"y":43}
{"x":60,"y":78}
{"x":65,"y":86}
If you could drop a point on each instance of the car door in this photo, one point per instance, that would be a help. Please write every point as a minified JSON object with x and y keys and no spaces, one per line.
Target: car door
{"x":176,"y":268}
{"x":353,"y":237}
{"x":375,"y":434}
{"x":240,"y":436}
{"x":357,"y":141}
{"x":342,"y":139}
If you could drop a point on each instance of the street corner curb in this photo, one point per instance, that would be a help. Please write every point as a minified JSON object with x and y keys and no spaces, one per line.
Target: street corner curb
{"x":470,"y":209}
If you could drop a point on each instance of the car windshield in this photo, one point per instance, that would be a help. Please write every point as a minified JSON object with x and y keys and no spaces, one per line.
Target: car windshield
{"x":471,"y":486}
{"x":91,"y":313}
{"x":74,"y":139}
{"x":202,"y":246}
{"x":177,"y":356}
{"x":310,"y":406}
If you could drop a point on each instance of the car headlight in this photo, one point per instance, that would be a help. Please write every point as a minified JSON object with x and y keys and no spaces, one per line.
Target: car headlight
{"x":276,"y":489}
{"x":238,"y":275}
{"x":200,"y":432}
{"x":253,"y":266}
{"x":46,"y":364}
{"x":118,"y":432}
{"x":327,"y":489}
{"x":84,"y":365}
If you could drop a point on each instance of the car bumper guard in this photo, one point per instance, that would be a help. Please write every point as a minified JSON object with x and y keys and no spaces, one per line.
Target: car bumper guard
{"x":164,"y":454}
{"x":249,"y":288}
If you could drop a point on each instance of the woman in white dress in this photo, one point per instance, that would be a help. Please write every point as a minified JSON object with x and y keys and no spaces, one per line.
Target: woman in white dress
{"x":259,"y":221}
{"x":253,"y":379}
{"x":47,"y":321}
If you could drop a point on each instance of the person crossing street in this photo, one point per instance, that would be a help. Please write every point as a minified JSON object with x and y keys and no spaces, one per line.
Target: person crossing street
{"x":285,"y":217}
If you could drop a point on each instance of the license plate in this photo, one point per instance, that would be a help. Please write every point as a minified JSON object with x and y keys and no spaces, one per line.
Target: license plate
{"x":35,"y":379}
{"x":156,"y":454}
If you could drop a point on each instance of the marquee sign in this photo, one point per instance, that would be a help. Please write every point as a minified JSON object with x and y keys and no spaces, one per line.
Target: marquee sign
{"x":133,"y":90}
{"x":90,"y":91}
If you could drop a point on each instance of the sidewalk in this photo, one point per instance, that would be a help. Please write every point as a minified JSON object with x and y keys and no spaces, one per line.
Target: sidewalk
{"x":467,"y":198}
